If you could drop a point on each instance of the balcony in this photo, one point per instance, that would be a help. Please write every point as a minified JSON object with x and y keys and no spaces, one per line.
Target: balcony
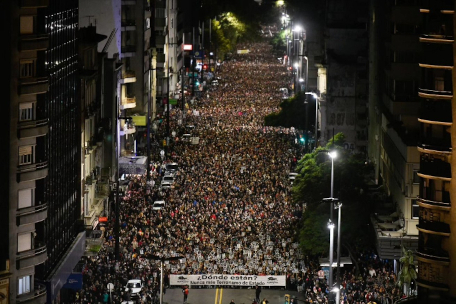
{"x":32,"y":172}
{"x":128,"y":77}
{"x":34,"y":42}
{"x":436,"y":83}
{"x":159,"y":24}
{"x":34,"y":128}
{"x":433,"y":167}
{"x":159,"y":41}
{"x":437,"y":55}
{"x":29,"y":86}
{"x":431,"y":255}
{"x":161,"y":59}
{"x":33,"y":3}
{"x":31,"y":215}
{"x":437,"y":6}
{"x":36,"y":296}
{"x":436,"y":112}
{"x":128,"y":103}
{"x":128,"y":129}
{"x":128,"y":51}
{"x":433,"y":196}
{"x":432,"y":276}
{"x":128,"y":25}
{"x":434,"y":227}
{"x":32,"y":257}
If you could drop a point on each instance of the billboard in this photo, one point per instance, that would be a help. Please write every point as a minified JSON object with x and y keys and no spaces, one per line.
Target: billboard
{"x":227,"y":280}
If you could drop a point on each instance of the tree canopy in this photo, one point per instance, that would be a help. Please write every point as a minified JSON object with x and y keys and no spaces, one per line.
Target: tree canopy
{"x":314,"y":183}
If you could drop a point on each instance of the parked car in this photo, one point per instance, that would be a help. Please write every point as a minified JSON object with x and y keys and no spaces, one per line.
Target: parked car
{"x":134,"y":287}
{"x":158,"y":205}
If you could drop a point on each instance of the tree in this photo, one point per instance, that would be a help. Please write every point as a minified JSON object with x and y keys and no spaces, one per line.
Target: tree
{"x":314,"y":235}
{"x":407,"y":274}
{"x":313,"y":184}
{"x":291,"y":114}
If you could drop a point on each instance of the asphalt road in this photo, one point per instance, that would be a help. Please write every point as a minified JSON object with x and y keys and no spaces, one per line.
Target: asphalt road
{"x":225,"y":295}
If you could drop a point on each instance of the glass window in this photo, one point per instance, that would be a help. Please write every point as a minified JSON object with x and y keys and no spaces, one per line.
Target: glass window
{"x":27,"y":68}
{"x":26,"y":111}
{"x":26,"y":155}
{"x":24,"y":241}
{"x":26,"y":26}
{"x":26,"y":198}
{"x":23,"y":284}
{"x":415,"y":209}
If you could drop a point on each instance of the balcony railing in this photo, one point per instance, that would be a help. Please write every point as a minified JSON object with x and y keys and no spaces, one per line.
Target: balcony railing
{"x":128,"y":103}
{"x":36,"y":296}
{"x":31,"y":215}
{"x":436,"y":111}
{"x":436,"y":81}
{"x":437,"y":54}
{"x":38,"y":85}
{"x":128,"y":50}
{"x":436,"y":6}
{"x":434,"y":197}
{"x":34,"y":42}
{"x":433,"y":254}
{"x":33,"y":128}
{"x":32,"y":257}
{"x":32,"y":172}
{"x":436,"y":168}
{"x":34,"y":3}
{"x":435,"y":226}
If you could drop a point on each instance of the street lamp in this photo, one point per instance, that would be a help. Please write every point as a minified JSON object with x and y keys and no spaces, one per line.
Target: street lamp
{"x":316,"y":113}
{"x":331,"y":252}
{"x":296,"y":66}
{"x":339,"y":220}
{"x":162,"y":259}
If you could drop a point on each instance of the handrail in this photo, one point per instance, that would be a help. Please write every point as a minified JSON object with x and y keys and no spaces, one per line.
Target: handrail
{"x":32,"y":167}
{"x":32,"y":209}
{"x":40,"y":290}
{"x":33,"y":123}
{"x":41,"y":248}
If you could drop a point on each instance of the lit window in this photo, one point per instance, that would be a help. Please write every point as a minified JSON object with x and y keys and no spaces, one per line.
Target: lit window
{"x":23,"y":285}
{"x":27,"y":68}
{"x":26,"y":111}
{"x":26,"y":155}
{"x":24,"y":241}
{"x":26,"y":198}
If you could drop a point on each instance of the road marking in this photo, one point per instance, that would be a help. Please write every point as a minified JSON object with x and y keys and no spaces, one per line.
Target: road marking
{"x":218,"y":296}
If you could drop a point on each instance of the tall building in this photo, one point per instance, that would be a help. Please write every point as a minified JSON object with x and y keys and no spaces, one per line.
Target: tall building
{"x":393,"y":124}
{"x":344,"y":108}
{"x":41,"y":231}
{"x":436,"y":252}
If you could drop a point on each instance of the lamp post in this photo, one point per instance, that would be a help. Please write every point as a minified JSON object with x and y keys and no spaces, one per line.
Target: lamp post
{"x":316,"y":114}
{"x":296,"y":66}
{"x":331,"y":253}
{"x":339,"y":219}
{"x":162,"y":259}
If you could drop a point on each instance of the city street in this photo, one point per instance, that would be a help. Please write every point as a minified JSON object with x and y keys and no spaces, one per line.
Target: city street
{"x":225,"y":207}
{"x":225,"y":295}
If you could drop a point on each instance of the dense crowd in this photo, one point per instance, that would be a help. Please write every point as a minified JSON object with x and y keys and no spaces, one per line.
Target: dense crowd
{"x":229,"y":209}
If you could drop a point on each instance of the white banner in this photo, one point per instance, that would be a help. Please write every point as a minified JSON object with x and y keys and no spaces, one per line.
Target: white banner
{"x":227,"y":280}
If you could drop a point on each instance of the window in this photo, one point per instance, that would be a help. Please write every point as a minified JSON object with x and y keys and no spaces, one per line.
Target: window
{"x":439,"y":83}
{"x":27,"y":68}
{"x":24,"y":241}
{"x":23,"y":285}
{"x":26,"y":198}
{"x":27,"y":25}
{"x":26,"y":111}
{"x":416,"y":178}
{"x":26,"y":155}
{"x":415,"y":209}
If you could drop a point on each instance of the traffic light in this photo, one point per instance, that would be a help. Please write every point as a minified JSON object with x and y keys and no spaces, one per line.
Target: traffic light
{"x":205,"y":67}
{"x":164,"y":142}
{"x":287,"y":299}
{"x":302,"y":139}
